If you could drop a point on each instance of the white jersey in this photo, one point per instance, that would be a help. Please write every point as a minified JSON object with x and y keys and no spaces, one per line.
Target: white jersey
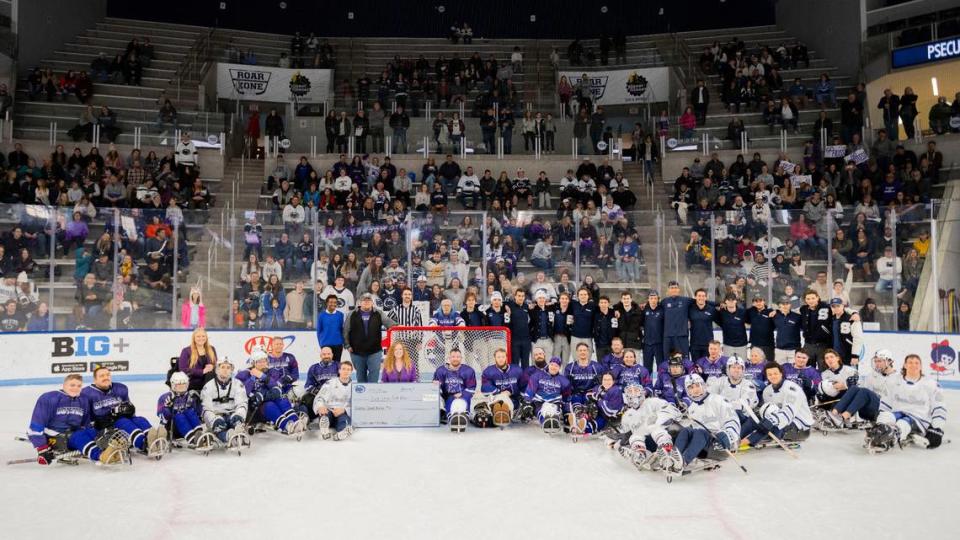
{"x":921,"y":400}
{"x":741,"y":395}
{"x":791,"y":406}
{"x":333,"y":395}
{"x":345,"y":299}
{"x":716,"y":414}
{"x":223,"y":399}
{"x":651,"y":418}
{"x":829,"y":376}
{"x":873,"y":380}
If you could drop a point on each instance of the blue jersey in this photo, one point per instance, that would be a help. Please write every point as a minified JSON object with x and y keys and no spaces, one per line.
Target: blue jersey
{"x":440,"y":318}
{"x":701,"y":324}
{"x":583,"y":315}
{"x":583,"y":378}
{"x":653,"y":325}
{"x":320,"y":373}
{"x":496,"y":380}
{"x":102,"y":402}
{"x":459,"y":380}
{"x":171,"y":404}
{"x":528,"y":374}
{"x":676,"y":316}
{"x":733,"y":325}
{"x":609,"y":401}
{"x":761,"y":327}
{"x":788,"y":330}
{"x":708,"y":369}
{"x":670,"y":388}
{"x":547,"y":388}
{"x":56,"y":413}
{"x":636,"y":374}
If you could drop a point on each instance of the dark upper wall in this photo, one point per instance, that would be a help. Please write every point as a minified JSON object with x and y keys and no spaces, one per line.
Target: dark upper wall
{"x":488,"y":18}
{"x":45,"y":25}
{"x":829,"y":27}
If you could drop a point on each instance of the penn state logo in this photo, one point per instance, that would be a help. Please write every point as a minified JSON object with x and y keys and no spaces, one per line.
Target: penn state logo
{"x":943,"y":358}
{"x":359,"y":388}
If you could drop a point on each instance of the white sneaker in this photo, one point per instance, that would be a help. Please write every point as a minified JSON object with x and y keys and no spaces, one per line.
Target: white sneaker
{"x":343,"y":434}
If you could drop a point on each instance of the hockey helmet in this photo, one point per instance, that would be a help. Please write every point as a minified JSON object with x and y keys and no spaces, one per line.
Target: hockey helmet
{"x":177,"y":379}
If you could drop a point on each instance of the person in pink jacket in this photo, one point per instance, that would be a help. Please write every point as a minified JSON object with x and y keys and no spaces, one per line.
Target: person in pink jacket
{"x":194,"y":313}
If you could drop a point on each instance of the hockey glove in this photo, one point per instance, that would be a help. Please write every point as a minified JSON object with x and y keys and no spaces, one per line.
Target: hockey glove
{"x":103,"y":422}
{"x":236,"y":419}
{"x":272,"y":394}
{"x":219,"y":425}
{"x":286,"y":380}
{"x":723,"y":440}
{"x":255,"y":400}
{"x":768,"y":425}
{"x":124,"y":410}
{"x":851,"y":381}
{"x":45,"y":455}
{"x":934,"y":437}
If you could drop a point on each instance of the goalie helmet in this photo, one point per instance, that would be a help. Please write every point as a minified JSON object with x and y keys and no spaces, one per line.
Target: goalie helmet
{"x":177,"y":379}
{"x":633,"y":396}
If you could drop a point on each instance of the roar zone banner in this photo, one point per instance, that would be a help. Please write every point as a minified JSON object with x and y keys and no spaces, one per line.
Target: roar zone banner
{"x":281,"y":85}
{"x":624,"y":86}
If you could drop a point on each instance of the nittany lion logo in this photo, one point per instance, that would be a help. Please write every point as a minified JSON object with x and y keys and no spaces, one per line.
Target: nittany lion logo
{"x":944,"y":358}
{"x":636,"y":85}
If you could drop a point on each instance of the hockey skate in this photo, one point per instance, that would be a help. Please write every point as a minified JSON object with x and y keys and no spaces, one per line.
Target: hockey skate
{"x":881,"y":438}
{"x":827,"y":421}
{"x":482,"y":416}
{"x":551,"y":425}
{"x":458,"y":422}
{"x":323,"y":424}
{"x":639,"y":457}
{"x":580,"y":427}
{"x":696,"y":465}
{"x":204,"y":443}
{"x":237,"y":438}
{"x":343,"y":434}
{"x":525,"y":413}
{"x":114,"y":448}
{"x":297,"y":426}
{"x":157,"y":443}
{"x":669,"y":460}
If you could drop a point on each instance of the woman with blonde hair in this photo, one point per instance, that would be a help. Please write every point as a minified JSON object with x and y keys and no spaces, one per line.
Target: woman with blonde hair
{"x":194,"y":313}
{"x":198,"y":359}
{"x":397,"y":366}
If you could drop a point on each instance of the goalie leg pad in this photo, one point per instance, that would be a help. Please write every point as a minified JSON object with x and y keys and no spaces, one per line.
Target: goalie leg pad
{"x":502,"y":412}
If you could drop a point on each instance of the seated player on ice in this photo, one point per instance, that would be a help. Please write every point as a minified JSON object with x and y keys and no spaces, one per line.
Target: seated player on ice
{"x":802,"y":374}
{"x":664,"y":367}
{"x":735,"y":388}
{"x":332,"y":404}
{"x":836,"y":380}
{"x":603,"y":407}
{"x":265,"y":397}
{"x":546,"y":397}
{"x":632,"y":372}
{"x":643,"y":427}
{"x":584,"y":375}
{"x":538,"y":364}
{"x":110,"y":407}
{"x":499,"y":392}
{"x":224,"y":400}
{"x":457,"y":382}
{"x":669,"y":386}
{"x":286,"y":363}
{"x":60,"y":424}
{"x":864,"y":398}
{"x":711,"y":430}
{"x":318,"y":374}
{"x":753,"y":370}
{"x":714,"y":364}
{"x":614,"y":357}
{"x":784,"y":412}
{"x":180,"y":410}
{"x":911,"y":412}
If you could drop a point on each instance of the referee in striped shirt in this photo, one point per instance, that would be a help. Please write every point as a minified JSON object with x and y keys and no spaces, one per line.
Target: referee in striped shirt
{"x":406,"y":314}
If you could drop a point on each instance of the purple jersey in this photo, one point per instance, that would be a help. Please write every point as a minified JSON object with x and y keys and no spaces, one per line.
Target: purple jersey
{"x":610,"y":361}
{"x":547,"y":388}
{"x":609,"y":401}
{"x":583,"y":378}
{"x":320,"y":373}
{"x":636,"y":374}
{"x":102,"y":402}
{"x":687,"y":367}
{"x":807,"y":378}
{"x":495,"y":379}
{"x":528,"y":374}
{"x":267,"y":385}
{"x":56,"y":413}
{"x":707,"y":368}
{"x":670,"y":388}
{"x":459,"y":380}
{"x":171,"y":404}
{"x":754,"y":372}
{"x":286,"y":363}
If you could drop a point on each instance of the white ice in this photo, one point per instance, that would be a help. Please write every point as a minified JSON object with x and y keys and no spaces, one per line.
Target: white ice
{"x":489,"y":484}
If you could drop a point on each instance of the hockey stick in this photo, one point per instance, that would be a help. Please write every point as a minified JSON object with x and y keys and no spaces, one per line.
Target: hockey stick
{"x":62,"y":457}
{"x":776,"y":439}
{"x":714,"y":437}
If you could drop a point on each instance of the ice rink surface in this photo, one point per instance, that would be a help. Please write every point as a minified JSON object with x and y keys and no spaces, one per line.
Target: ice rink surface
{"x":485,"y":484}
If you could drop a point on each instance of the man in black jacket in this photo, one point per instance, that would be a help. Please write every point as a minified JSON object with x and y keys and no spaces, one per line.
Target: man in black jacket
{"x":817,"y":327}
{"x":700,"y":99}
{"x":630,"y":322}
{"x":399,"y":123}
{"x":361,"y":338}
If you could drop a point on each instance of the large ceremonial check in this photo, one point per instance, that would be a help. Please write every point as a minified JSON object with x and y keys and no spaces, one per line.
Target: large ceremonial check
{"x":622,"y":86}
{"x":282,"y":85}
{"x":395,"y":405}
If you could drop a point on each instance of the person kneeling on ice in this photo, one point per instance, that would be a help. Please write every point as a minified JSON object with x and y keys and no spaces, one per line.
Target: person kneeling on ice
{"x":713,"y":430}
{"x":911,"y":412}
{"x":179,"y":411}
{"x":805,"y":376}
{"x":584,"y":375}
{"x":224,"y":401}
{"x":60,"y":424}
{"x":643,"y":427}
{"x":784,"y":413}
{"x":110,"y":407}
{"x":669,"y":385}
{"x":837,"y":379}
{"x":632,"y":372}
{"x":547,"y":395}
{"x":318,"y":375}
{"x":864,"y":398}
{"x":736,"y":388}
{"x":604,"y":405}
{"x":499,"y":392}
{"x":457,"y":383}
{"x":332,"y":404}
{"x":265,"y":397}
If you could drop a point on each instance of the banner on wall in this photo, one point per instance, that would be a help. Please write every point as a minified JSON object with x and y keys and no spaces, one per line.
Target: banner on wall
{"x":623,"y":86}
{"x":280,"y":85}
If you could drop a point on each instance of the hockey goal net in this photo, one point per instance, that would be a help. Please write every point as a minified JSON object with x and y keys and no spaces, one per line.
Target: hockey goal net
{"x":429,"y":346}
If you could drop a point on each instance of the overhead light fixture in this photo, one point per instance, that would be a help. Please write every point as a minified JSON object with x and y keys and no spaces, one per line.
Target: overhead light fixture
{"x":533,"y":18}
{"x":603,"y":9}
{"x":660,"y":12}
{"x":935,"y":85}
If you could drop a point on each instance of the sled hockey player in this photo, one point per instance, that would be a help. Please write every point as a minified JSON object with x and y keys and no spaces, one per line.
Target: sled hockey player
{"x":457,"y":382}
{"x":318,"y":374}
{"x":802,"y":374}
{"x":643,"y":428}
{"x":753,"y":370}
{"x":110,"y":407}
{"x":784,"y":413}
{"x":736,"y":388}
{"x":711,"y":431}
{"x":836,"y":380}
{"x":180,"y":410}
{"x":547,"y":396}
{"x":60,"y":426}
{"x":265,"y":400}
{"x":285,"y":363}
{"x":615,"y":357}
{"x":669,"y":386}
{"x":332,"y":404}
{"x":664,"y":367}
{"x":584,"y":375}
{"x":714,"y":364}
{"x":539,"y":364}
{"x":499,"y":394}
{"x":224,"y":400}
{"x":864,"y":398}
{"x":632,"y":372}
{"x":911,"y":412}
{"x":602,"y":409}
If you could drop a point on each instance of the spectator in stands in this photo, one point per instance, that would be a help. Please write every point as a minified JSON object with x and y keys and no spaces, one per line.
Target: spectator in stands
{"x":889,"y":106}
{"x":851,"y":118}
{"x":939,"y":116}
{"x":688,"y":122}
{"x":798,"y":93}
{"x":166,"y":115}
{"x":700,"y":99}
{"x":889,"y":268}
{"x":194,"y":313}
{"x":789,"y":115}
{"x":696,"y":252}
{"x":399,"y":123}
{"x":825,"y":92}
{"x":456,"y":130}
{"x":598,"y":121}
{"x":506,"y":123}
{"x":908,"y":111}
{"x":107,"y":120}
